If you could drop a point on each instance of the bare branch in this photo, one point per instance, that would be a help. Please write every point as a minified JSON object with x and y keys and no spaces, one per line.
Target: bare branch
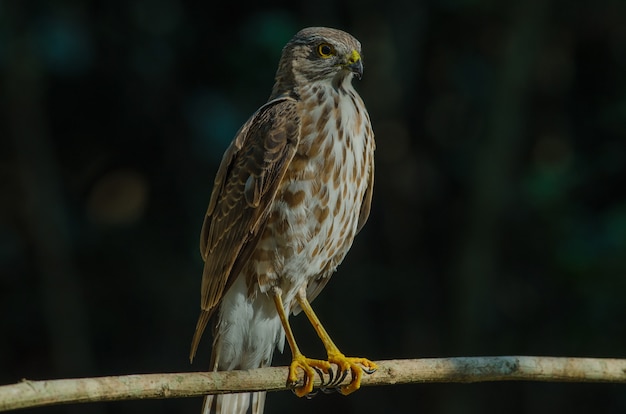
{"x":475,"y":369}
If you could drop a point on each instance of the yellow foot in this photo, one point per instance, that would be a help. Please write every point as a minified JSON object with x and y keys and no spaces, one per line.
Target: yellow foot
{"x":309,"y":366}
{"x":356,"y":366}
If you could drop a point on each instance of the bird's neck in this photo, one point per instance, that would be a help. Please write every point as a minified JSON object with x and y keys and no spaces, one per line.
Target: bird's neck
{"x":287,"y":87}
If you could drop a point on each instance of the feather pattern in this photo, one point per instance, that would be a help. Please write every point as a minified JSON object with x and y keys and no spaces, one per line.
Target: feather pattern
{"x":292,"y":191}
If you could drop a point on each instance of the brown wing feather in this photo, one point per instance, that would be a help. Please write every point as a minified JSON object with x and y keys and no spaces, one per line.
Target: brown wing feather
{"x":367,"y":199}
{"x":245,"y":186}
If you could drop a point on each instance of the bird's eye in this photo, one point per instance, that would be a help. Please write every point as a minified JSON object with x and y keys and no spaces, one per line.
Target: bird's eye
{"x":325,"y":50}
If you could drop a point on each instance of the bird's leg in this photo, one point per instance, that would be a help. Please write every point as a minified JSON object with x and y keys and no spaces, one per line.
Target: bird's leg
{"x":307,"y":365}
{"x":356,"y":365}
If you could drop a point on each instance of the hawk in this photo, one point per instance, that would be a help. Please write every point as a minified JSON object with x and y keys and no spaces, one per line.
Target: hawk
{"x":293,"y":189}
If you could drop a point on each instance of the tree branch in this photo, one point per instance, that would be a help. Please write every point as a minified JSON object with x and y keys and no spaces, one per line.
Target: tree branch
{"x":194,"y":384}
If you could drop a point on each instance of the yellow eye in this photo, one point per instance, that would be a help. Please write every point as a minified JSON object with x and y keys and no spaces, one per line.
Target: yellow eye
{"x":325,"y":50}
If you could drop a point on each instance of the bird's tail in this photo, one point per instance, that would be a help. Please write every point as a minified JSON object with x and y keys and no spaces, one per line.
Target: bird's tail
{"x":242,"y":403}
{"x":245,"y":336}
{"x":228,"y":354}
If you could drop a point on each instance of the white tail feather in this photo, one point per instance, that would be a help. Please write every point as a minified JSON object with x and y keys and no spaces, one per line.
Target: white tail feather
{"x":234,"y":403}
{"x":247,"y":331}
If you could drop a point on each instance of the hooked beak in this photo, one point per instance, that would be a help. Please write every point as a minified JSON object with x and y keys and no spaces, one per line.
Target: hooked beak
{"x":355,"y":64}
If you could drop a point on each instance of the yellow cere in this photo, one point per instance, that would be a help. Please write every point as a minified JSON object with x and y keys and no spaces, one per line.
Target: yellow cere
{"x":354,"y":57}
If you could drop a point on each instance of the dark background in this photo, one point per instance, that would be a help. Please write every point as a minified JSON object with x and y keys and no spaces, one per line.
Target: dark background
{"x":498,"y":224}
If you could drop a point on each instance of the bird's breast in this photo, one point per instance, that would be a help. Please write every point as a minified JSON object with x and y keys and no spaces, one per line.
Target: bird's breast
{"x":314,"y":216}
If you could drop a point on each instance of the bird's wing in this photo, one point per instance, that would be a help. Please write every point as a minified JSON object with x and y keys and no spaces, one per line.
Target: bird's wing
{"x":245,"y":186}
{"x":367,"y":199}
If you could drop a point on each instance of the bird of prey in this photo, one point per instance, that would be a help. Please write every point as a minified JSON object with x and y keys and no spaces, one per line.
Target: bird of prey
{"x":293,"y":189}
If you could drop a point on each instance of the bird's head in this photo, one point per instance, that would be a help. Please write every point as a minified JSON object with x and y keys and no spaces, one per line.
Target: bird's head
{"x":319,"y":54}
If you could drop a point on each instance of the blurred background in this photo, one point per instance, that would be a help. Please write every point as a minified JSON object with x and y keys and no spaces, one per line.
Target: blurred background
{"x":498,"y":224}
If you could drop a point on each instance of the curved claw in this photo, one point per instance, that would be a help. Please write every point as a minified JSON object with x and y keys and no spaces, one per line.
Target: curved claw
{"x":341,"y":375}
{"x":321,"y":374}
{"x":326,"y":390}
{"x":310,"y":395}
{"x":370,"y":371}
{"x":308,"y":366}
{"x":356,"y":366}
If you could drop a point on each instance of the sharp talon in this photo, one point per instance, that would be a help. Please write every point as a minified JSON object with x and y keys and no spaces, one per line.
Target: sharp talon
{"x":337,"y":378}
{"x":340,"y":379}
{"x":331,"y":376}
{"x":369,"y":371}
{"x":355,"y":366}
{"x":307,"y":396}
{"x":294,"y":382}
{"x":320,"y":373}
{"x":310,"y":395}
{"x":304,"y":388}
{"x":328,"y":390}
{"x":294,"y":385}
{"x":309,"y":366}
